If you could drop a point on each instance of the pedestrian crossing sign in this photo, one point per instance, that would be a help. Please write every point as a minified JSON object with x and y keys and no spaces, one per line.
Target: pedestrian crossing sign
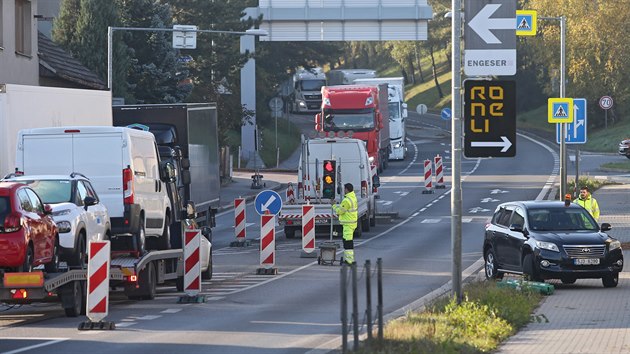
{"x":560,"y":110}
{"x":525,"y":23}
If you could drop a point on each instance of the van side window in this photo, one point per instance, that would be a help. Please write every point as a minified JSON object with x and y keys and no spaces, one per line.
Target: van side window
{"x":82,"y":193}
{"x":145,"y":151}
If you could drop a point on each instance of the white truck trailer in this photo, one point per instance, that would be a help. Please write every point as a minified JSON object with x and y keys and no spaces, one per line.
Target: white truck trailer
{"x":23,"y":106}
{"x":397,"y":113}
{"x":348,"y":76}
{"x":352,"y":166}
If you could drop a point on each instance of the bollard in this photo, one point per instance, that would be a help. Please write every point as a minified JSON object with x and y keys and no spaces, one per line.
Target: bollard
{"x":344,"y":307}
{"x":379,"y":280}
{"x":368,"y":300}
{"x":439,"y":173}
{"x":290,"y":194}
{"x":240,"y":219}
{"x":192,"y":267}
{"x":355,"y":307}
{"x":428,"y":178}
{"x":308,"y":232}
{"x":97,"y":306}
{"x":267,"y":245}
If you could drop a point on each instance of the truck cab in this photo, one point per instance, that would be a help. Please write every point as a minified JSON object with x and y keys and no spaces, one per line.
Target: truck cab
{"x":307,"y":85}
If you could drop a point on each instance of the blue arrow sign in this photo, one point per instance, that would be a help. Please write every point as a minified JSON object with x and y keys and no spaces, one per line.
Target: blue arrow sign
{"x":446,"y":113}
{"x":576,"y":131}
{"x":268,"y":202}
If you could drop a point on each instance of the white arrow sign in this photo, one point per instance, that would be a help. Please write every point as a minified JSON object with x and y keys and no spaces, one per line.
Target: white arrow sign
{"x":498,"y":191}
{"x":482,"y":24}
{"x":478,"y":210}
{"x":489,"y":200}
{"x":504,"y":144}
{"x":265,"y":206}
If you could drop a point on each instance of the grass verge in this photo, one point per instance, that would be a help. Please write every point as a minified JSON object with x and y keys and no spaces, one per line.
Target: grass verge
{"x":620,"y":166}
{"x":487,"y":316}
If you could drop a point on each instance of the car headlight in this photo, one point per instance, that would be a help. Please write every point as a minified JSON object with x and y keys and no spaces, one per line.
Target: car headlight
{"x":398,"y":145}
{"x":547,"y":246}
{"x":613,"y":245}
{"x":64,"y":226}
{"x":61,"y":212}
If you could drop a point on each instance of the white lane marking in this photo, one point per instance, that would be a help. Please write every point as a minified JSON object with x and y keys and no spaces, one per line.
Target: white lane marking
{"x":430,"y":221}
{"x":556,"y":167}
{"x":148,"y":317}
{"x":498,"y":191}
{"x":489,"y":200}
{"x":125,"y":324}
{"x":478,"y":210}
{"x":172,"y":310}
{"x":50,"y":341}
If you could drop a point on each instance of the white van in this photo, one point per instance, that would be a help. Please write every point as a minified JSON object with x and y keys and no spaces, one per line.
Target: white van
{"x":123,"y":165}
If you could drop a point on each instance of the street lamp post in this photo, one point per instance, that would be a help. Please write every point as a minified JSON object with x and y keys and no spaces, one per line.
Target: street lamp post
{"x":456,"y":152}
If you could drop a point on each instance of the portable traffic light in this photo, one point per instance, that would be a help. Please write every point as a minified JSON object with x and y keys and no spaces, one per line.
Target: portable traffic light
{"x":330,"y":173}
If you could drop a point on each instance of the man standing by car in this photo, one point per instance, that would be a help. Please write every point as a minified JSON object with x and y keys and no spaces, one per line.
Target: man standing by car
{"x":348,"y":215}
{"x":587,"y":202}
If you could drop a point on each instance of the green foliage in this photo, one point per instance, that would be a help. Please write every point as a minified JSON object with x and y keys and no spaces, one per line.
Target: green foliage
{"x":487,"y":316}
{"x":623,"y":166}
{"x":585,"y":181}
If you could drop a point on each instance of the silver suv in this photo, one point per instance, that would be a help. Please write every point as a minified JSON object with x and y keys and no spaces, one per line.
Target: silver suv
{"x":77,"y":211}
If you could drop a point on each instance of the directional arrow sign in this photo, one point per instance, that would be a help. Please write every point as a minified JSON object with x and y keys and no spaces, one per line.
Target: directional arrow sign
{"x":576,"y":131}
{"x":504,"y":144}
{"x":489,"y":118}
{"x":490,"y":37}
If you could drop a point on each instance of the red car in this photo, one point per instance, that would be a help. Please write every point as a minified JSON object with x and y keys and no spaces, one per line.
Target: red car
{"x":28,"y":234}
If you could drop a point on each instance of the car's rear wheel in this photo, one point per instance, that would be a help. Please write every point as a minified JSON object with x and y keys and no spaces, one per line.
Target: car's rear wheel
{"x":140,"y":237}
{"x":568,"y":280}
{"x":27,"y":265}
{"x":78,"y":259}
{"x":53,"y":265}
{"x":164,"y":241}
{"x":611,"y":280}
{"x":492,"y":267}
{"x":529,"y":268}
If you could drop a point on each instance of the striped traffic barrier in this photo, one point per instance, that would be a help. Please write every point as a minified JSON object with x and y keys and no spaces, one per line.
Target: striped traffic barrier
{"x":267,"y":245}
{"x":97,"y":304}
{"x":192,"y":267}
{"x":239,"y":222}
{"x":439,"y":172}
{"x":290,"y":194}
{"x":308,"y":231}
{"x":428,"y":177}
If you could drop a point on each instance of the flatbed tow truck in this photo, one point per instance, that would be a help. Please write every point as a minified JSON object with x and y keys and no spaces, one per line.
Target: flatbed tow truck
{"x":138,"y":276}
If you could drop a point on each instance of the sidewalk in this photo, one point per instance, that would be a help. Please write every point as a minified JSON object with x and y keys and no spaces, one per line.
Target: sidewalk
{"x":585,"y":317}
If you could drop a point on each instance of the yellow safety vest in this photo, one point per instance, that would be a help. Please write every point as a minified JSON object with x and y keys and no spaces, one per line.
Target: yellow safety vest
{"x":590,"y":204}
{"x":347,"y":211}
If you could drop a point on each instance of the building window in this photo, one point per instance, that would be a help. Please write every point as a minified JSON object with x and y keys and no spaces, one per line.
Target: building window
{"x":23,"y":26}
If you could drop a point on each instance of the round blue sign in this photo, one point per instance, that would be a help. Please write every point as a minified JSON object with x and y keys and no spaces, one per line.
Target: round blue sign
{"x":446,"y":113}
{"x":268,"y":202}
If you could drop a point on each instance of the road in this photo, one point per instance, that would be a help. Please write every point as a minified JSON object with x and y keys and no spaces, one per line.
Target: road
{"x":298,"y":310}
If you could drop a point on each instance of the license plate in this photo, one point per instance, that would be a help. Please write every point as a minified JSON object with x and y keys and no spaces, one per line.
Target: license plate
{"x":322,"y":221}
{"x":586,"y":261}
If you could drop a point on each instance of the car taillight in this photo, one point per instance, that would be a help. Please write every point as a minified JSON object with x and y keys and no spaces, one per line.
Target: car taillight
{"x":12,"y":222}
{"x":128,"y":186}
{"x":364,"y":187}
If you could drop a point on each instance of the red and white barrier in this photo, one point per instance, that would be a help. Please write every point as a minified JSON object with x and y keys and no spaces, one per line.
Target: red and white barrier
{"x":239,"y":219}
{"x":267,"y":241}
{"x":192,"y":263}
{"x":98,"y":280}
{"x":308,"y":228}
{"x":290,"y":194}
{"x":428,"y":177}
{"x":439,"y":173}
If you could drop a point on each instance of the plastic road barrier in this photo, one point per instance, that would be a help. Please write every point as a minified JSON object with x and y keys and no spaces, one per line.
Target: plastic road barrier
{"x":308,"y":228}
{"x":439,"y":173}
{"x":239,"y":219}
{"x":290,"y":194}
{"x":192,"y":263}
{"x":267,"y":241}
{"x":428,"y":177}
{"x":98,"y":280}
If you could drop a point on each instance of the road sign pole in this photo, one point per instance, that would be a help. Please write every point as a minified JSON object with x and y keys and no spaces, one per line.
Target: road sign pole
{"x":563,"y":144}
{"x":456,"y":152}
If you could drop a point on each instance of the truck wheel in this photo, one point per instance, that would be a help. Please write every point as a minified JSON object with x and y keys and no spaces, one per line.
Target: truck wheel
{"x":164,"y":241}
{"x":72,"y":298}
{"x":207,"y":275}
{"x":27,"y":266}
{"x":365,"y":222}
{"x":146,"y":285}
{"x":289,"y":231}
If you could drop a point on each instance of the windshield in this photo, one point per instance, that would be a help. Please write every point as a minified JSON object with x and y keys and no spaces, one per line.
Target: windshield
{"x":312,"y":85}
{"x":394,"y":110}
{"x":561,"y":219}
{"x":356,"y":119}
{"x":52,"y":191}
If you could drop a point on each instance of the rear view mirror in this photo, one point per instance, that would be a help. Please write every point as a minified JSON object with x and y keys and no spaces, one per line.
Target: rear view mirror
{"x":88,"y":201}
{"x":516,"y":227}
{"x":47,"y":209}
{"x":605,"y":226}
{"x":376,"y":181}
{"x":186,"y":177}
{"x":185,"y":163}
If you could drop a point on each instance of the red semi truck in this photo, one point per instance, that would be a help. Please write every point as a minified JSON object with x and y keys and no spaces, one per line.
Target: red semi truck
{"x":361,"y":109}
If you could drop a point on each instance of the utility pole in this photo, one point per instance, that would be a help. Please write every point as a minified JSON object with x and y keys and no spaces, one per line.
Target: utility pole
{"x":456,"y":152}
